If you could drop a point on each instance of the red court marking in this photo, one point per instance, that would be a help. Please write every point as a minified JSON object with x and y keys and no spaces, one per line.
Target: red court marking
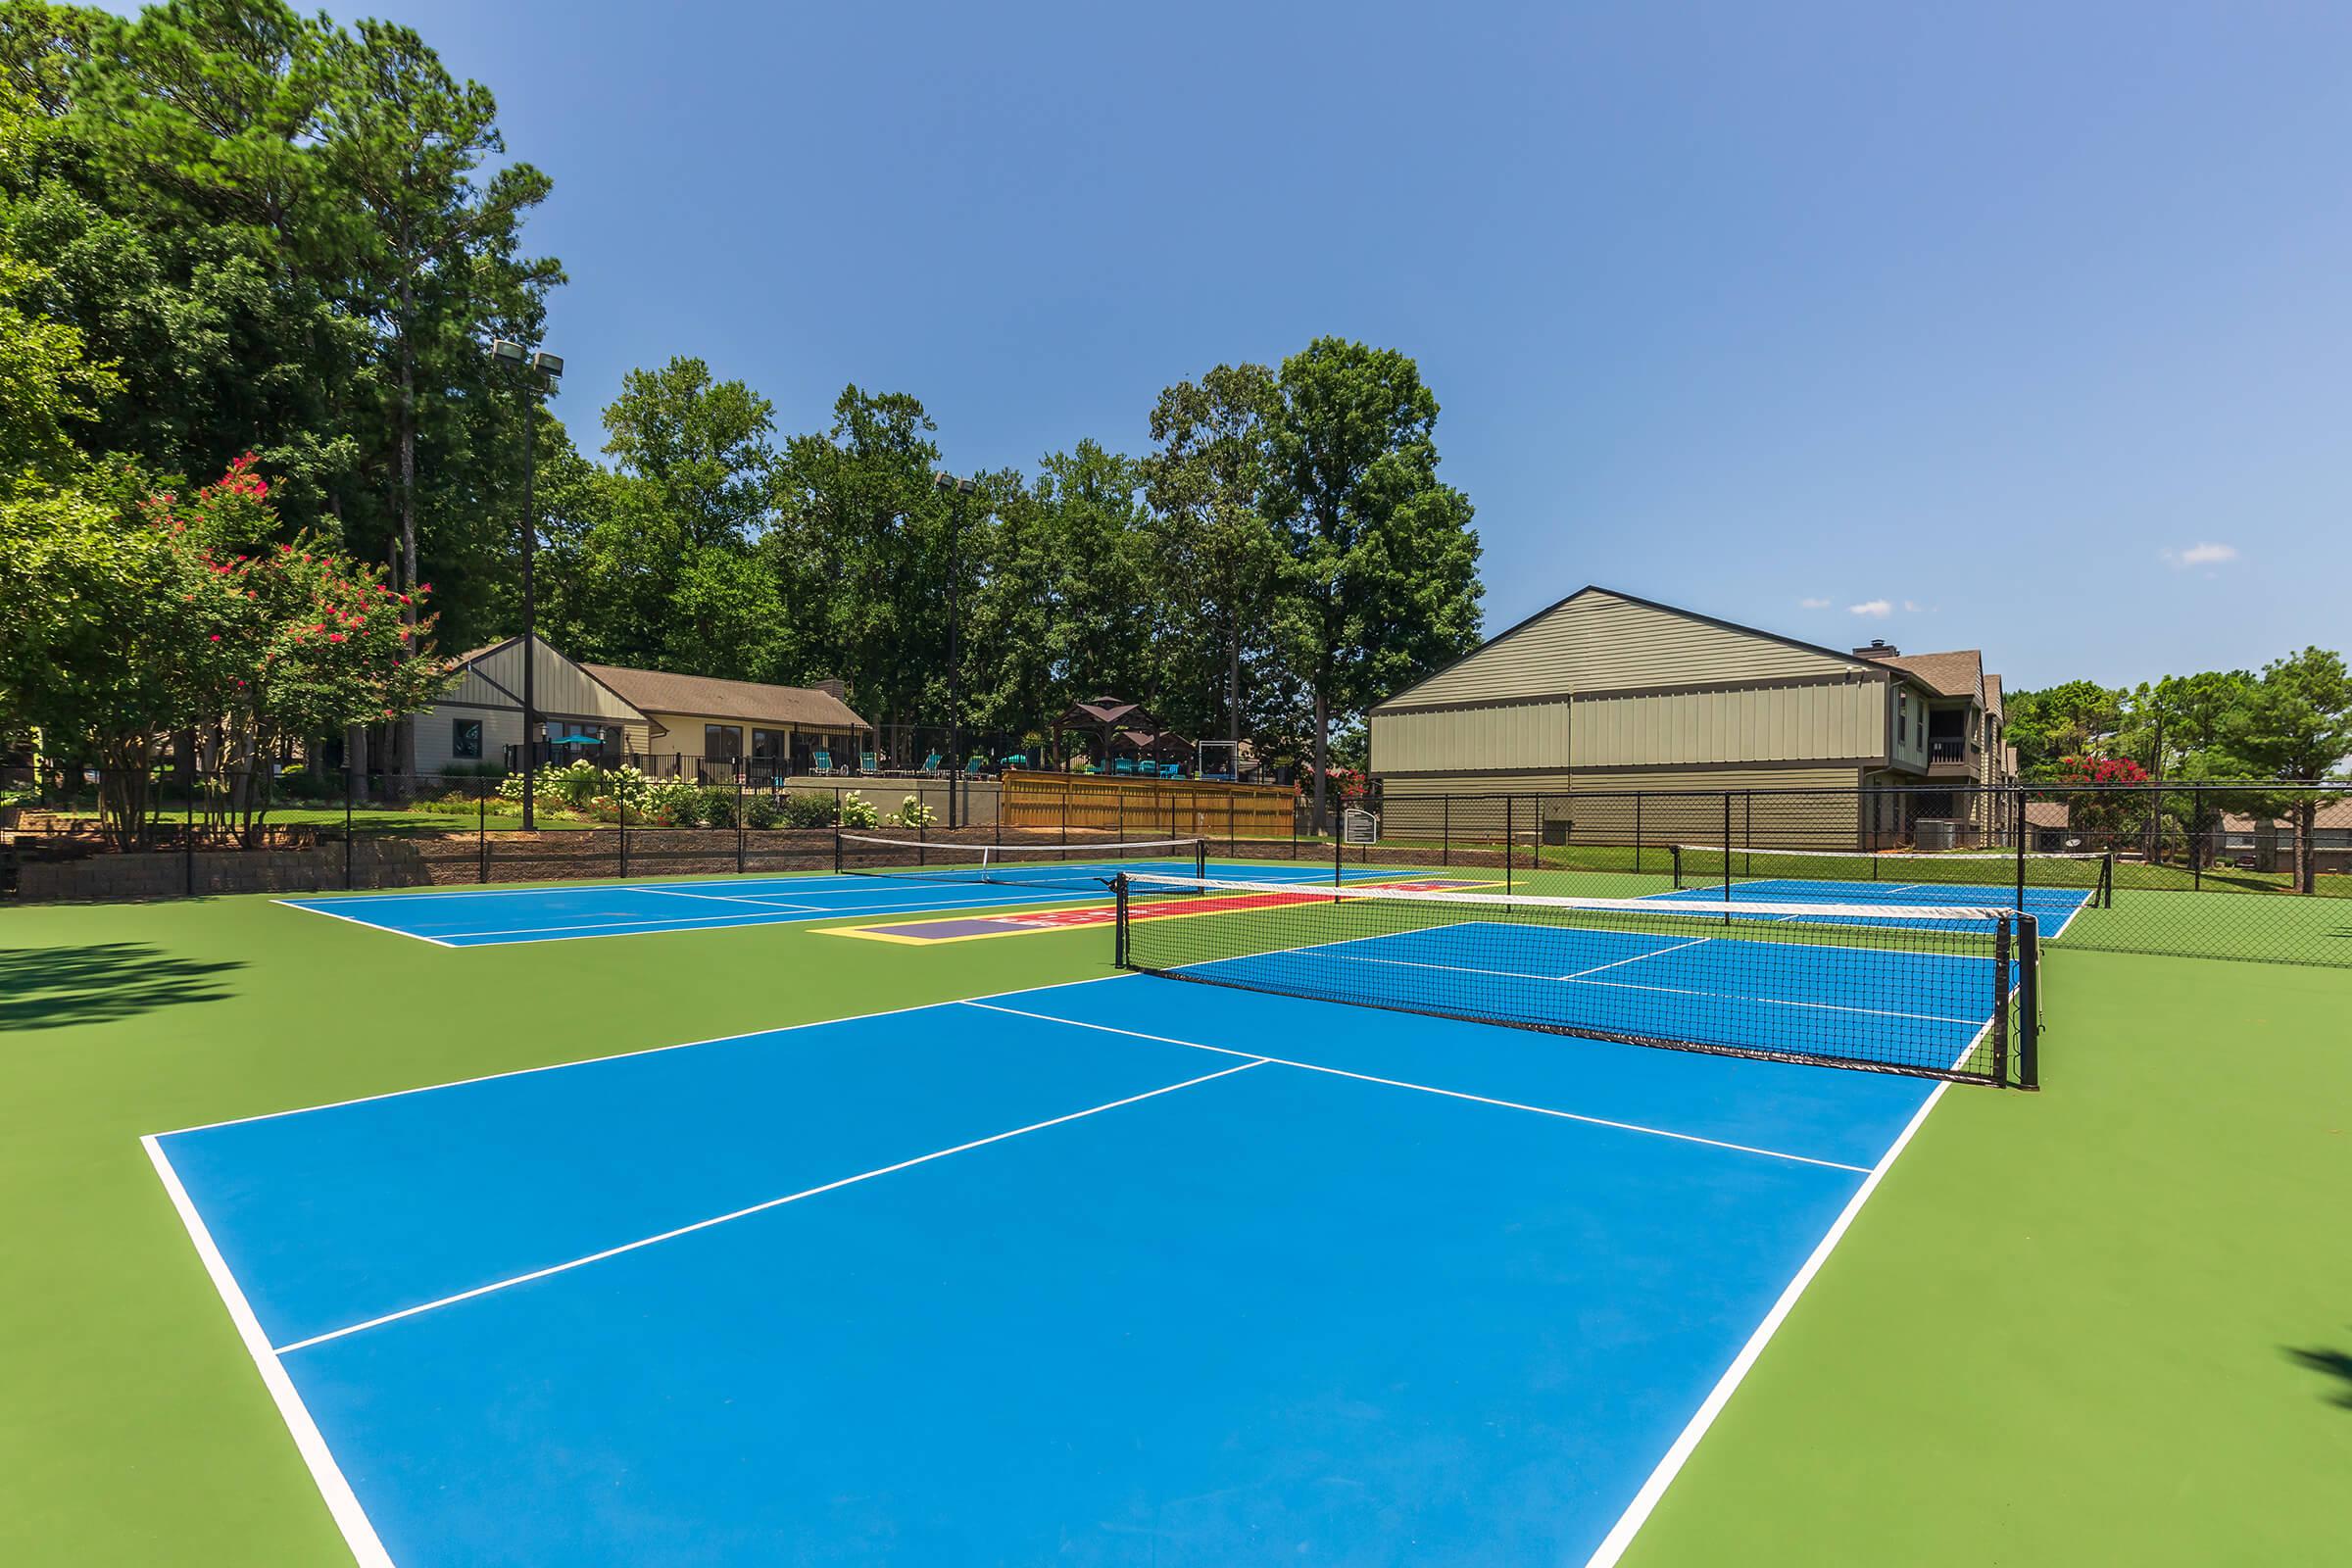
{"x":972,"y":928}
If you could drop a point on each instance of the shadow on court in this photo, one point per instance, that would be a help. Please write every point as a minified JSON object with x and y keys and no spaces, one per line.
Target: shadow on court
{"x":50,"y":988}
{"x":2336,"y":1364}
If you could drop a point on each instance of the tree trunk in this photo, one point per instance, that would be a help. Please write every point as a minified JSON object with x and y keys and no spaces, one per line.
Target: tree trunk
{"x":403,"y":737}
{"x":1322,"y":748}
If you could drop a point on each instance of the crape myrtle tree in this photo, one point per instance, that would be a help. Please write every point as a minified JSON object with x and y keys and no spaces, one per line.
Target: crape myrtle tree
{"x":181,"y":617}
{"x":1379,"y":582}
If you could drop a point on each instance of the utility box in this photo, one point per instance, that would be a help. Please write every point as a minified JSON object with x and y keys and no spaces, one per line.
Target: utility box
{"x":1937,"y":833}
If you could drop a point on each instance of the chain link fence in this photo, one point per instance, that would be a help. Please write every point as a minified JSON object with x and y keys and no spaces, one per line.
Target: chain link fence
{"x":2259,"y":871}
{"x":2213,"y":869}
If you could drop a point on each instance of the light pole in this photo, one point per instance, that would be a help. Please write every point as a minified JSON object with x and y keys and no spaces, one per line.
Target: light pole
{"x":543,"y":372}
{"x":955,"y":489}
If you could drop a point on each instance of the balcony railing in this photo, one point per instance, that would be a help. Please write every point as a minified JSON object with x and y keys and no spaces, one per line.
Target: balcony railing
{"x":1948,"y":748}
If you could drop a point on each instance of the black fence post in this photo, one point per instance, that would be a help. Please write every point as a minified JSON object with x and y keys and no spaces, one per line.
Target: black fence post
{"x":2003,"y":955}
{"x":1637,"y":832}
{"x":1445,"y":832}
{"x":187,"y":853}
{"x":2018,"y":818}
{"x":481,"y":824}
{"x":2197,"y":837}
{"x":1507,"y":835}
{"x":740,"y":844}
{"x":1727,"y":846}
{"x":348,"y":883}
{"x":620,"y":800}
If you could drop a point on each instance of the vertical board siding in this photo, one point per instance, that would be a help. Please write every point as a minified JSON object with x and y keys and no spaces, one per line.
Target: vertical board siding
{"x":1596,"y":641}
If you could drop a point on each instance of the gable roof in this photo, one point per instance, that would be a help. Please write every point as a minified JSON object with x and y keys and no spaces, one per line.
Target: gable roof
{"x":1556,"y":605}
{"x":2333,"y":814}
{"x":658,"y":690}
{"x":1992,"y":695}
{"x":1958,"y":673}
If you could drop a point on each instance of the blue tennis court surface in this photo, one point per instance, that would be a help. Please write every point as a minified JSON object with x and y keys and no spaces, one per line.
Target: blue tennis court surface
{"x":1119,"y":1272}
{"x":475,"y":917}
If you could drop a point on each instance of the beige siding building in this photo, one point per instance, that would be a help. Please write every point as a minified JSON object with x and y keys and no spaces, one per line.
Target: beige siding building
{"x":482,"y":714}
{"x":1607,"y":693}
{"x":610,"y":714}
{"x":727,"y":727}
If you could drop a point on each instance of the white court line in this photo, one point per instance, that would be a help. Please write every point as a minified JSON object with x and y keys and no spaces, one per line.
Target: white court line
{"x":617,"y":1056}
{"x":1426,"y":1089}
{"x":733,"y":897}
{"x":1636,"y":958}
{"x":755,"y":1209}
{"x":1646,"y":1501}
{"x":1778,"y":1001}
{"x":1621,"y":985}
{"x":718,"y":922}
{"x":341,"y":1502}
{"x":311,"y":909}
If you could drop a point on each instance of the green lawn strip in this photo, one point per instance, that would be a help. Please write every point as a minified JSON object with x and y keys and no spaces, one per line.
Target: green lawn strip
{"x":2064,"y":1330}
{"x":136,"y":1429}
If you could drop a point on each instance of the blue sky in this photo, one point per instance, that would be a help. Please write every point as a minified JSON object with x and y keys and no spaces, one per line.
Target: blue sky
{"x":2018,"y":326}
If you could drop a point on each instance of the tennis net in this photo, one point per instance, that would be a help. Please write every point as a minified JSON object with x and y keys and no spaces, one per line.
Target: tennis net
{"x":1940,"y":991}
{"x":1980,"y":871}
{"x":1079,"y":867}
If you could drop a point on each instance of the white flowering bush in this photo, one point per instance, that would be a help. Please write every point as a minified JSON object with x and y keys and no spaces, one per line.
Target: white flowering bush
{"x":914,"y":813}
{"x":859,"y":812}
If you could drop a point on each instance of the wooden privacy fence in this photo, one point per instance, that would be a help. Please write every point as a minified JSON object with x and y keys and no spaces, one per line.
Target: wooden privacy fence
{"x":1146,"y":808}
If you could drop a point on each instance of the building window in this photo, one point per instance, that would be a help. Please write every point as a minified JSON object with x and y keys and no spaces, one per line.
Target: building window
{"x":466,"y":738}
{"x":770,"y":745}
{"x":1902,"y":717}
{"x":722,"y":743}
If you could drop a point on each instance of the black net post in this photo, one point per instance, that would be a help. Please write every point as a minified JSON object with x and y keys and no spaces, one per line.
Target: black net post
{"x":740,"y":831}
{"x":1118,"y":947}
{"x":622,"y":800}
{"x":1338,"y":859}
{"x":2028,"y":994}
{"x":1506,"y":843}
{"x":837,"y":855}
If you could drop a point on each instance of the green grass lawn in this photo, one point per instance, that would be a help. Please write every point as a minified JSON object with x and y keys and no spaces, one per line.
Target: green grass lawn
{"x":2092,"y":1325}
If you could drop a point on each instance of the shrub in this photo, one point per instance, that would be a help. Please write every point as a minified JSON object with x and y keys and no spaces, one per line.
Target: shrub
{"x":808,"y":808}
{"x":673,"y":802}
{"x":859,"y":812}
{"x":761,"y":811}
{"x":914,"y":813}
{"x":717,"y":807}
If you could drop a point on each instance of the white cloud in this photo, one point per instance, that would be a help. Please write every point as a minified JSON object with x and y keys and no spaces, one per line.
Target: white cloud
{"x":1812,"y":604}
{"x":2205,"y":554}
{"x":1876,"y":608}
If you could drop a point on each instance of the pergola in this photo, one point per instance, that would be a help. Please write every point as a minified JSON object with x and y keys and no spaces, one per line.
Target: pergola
{"x":1119,"y":727}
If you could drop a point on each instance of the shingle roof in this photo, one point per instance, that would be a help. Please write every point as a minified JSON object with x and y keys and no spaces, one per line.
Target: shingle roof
{"x":2047,"y":813}
{"x":1959,"y":673}
{"x":659,"y":691}
{"x":2338,"y":814}
{"x":1992,"y":695}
